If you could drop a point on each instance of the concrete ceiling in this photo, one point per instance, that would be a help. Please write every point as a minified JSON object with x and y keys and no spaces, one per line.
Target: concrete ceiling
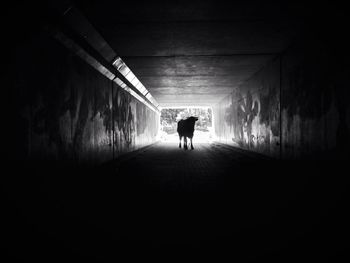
{"x":194,"y":52}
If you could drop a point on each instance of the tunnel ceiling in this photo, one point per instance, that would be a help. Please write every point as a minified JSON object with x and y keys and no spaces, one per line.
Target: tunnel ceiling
{"x":194,"y":52}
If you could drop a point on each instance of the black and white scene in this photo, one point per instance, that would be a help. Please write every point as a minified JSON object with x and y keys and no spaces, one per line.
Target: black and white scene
{"x":173,"y":131}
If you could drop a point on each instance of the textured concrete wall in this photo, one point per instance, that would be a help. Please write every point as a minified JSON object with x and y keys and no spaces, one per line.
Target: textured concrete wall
{"x":315,"y":108}
{"x":314,"y":119}
{"x":66,"y":110}
{"x":249,"y":117}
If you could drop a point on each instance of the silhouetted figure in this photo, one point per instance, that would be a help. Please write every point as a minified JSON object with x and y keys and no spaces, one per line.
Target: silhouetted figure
{"x":185,"y":128}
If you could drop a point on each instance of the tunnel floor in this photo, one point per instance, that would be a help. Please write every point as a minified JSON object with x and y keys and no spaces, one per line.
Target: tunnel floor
{"x":164,"y":202}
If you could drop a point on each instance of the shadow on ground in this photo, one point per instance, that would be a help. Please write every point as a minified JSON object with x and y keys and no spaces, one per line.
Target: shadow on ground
{"x":166,"y":203}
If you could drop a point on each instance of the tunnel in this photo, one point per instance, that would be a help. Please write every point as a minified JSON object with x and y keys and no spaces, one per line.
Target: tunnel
{"x":89,"y":174}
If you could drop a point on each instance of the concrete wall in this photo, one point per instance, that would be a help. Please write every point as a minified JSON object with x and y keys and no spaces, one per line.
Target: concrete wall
{"x":249,"y":117}
{"x":314,"y":119}
{"x":315,"y":108}
{"x":66,"y":110}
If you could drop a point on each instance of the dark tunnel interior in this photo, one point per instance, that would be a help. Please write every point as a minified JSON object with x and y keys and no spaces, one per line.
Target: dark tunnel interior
{"x":86,"y":174}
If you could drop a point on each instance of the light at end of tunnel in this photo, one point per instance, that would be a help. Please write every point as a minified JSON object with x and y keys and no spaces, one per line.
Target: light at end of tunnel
{"x":203,"y":130}
{"x":198,"y":137}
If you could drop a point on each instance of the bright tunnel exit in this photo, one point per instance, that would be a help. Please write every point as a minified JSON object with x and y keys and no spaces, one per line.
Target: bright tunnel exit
{"x":204,"y":127}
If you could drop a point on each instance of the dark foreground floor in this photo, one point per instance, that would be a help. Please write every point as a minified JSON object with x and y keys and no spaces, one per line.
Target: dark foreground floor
{"x":164,"y":203}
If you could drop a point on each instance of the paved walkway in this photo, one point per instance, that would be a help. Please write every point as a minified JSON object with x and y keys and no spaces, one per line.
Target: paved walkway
{"x":210,"y":202}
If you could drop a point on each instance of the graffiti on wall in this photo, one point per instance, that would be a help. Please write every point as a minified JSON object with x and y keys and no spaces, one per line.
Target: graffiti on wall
{"x":67,"y":107}
{"x":251,"y":113}
{"x":314,"y":103}
{"x":72,"y":112}
{"x":240,"y":115}
{"x":123,"y":118}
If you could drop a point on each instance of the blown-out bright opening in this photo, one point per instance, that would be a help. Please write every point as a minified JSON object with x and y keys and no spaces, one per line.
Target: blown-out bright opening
{"x":204,"y":127}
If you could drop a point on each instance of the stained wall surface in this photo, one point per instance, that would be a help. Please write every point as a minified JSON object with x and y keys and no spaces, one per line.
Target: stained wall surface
{"x":315,"y":112}
{"x":249,"y":117}
{"x":295,"y":107}
{"x":67,"y":111}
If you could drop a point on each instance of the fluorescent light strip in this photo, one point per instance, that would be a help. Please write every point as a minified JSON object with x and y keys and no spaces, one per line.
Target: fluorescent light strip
{"x":99,"y":67}
{"x":120,"y":83}
{"x":120,"y":65}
